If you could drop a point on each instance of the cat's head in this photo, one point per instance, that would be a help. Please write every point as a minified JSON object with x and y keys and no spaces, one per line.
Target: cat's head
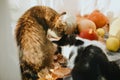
{"x":64,"y":24}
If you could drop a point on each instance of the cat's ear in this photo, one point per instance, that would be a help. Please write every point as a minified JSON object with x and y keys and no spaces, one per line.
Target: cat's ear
{"x":62,"y":15}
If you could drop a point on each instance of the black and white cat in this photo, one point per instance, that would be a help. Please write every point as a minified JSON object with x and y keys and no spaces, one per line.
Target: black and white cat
{"x":88,"y":59}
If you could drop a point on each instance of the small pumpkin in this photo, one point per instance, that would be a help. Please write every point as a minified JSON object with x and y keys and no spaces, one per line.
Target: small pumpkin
{"x":84,"y":23}
{"x":89,"y":34}
{"x":98,"y":18}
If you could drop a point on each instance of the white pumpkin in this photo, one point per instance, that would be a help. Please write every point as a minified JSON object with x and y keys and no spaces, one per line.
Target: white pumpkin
{"x":115,"y":28}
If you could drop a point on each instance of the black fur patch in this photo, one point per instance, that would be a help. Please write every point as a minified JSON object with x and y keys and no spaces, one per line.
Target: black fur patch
{"x":79,"y":42}
{"x":69,"y":40}
{"x":71,"y":54}
{"x":91,"y":63}
{"x":59,"y":50}
{"x":79,"y":53}
{"x":62,"y":42}
{"x":86,"y":67}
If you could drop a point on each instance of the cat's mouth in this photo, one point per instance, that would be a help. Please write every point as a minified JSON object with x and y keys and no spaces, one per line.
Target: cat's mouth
{"x":53,"y":35}
{"x":62,"y":33}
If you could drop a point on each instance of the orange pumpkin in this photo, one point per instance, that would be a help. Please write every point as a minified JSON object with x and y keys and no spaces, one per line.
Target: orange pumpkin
{"x":98,"y":18}
{"x":89,"y":34}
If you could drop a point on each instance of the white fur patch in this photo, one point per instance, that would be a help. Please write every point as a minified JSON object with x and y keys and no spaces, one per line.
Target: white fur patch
{"x":66,"y":50}
{"x":72,"y":59}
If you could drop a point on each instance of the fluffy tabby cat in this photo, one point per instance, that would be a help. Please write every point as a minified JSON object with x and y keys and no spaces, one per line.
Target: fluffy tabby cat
{"x":36,"y":50}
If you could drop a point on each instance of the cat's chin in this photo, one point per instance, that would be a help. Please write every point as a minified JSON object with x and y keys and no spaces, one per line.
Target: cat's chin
{"x":54,"y":38}
{"x":52,"y":35}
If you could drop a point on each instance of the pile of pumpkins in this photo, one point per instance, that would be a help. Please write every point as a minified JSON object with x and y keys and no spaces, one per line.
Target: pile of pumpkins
{"x":96,"y":25}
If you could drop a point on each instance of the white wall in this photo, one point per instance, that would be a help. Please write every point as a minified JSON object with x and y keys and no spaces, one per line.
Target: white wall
{"x":18,"y":7}
{"x":9,"y":64}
